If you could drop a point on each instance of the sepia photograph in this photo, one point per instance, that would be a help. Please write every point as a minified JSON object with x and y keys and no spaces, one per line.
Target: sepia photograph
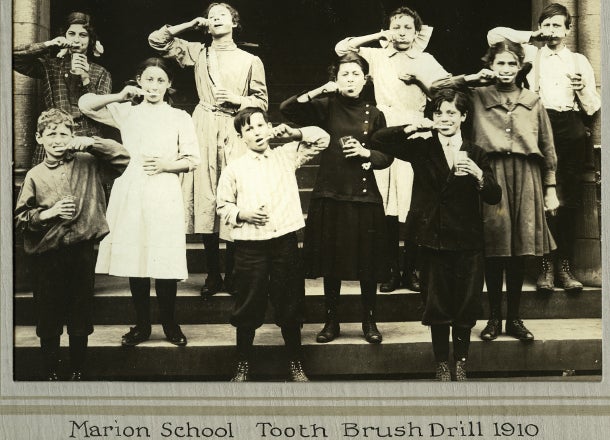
{"x":371,"y":196}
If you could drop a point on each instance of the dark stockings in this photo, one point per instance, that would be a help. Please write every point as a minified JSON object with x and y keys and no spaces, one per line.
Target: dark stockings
{"x":292,"y":339}
{"x":50,"y":352}
{"x":563,"y":229}
{"x":494,"y":271}
{"x":78,"y":352}
{"x":166,"y":291}
{"x":368,"y":295}
{"x":245,"y":340}
{"x":440,"y":342}
{"x":211,"y":244}
{"x":332,"y":291}
{"x":393,"y":244}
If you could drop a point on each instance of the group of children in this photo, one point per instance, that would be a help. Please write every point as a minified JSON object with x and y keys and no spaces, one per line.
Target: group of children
{"x":475,"y":203}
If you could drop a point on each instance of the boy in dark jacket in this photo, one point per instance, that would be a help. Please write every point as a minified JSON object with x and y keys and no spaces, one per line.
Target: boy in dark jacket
{"x":451,"y":178}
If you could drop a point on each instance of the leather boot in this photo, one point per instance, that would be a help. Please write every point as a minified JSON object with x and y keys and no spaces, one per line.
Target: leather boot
{"x":546,"y":279}
{"x":460,"y":370}
{"x":296,"y":371}
{"x":369,"y":328}
{"x":212,"y":285}
{"x":392,"y":284}
{"x":516,"y":329}
{"x":442,"y":371}
{"x":410,"y":280}
{"x":242,"y":372}
{"x":566,"y":280}
{"x":492,"y":329}
{"x":331,"y":328}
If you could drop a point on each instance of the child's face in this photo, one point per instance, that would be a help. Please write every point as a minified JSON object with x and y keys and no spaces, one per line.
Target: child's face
{"x":78,"y":37}
{"x":256,"y":133}
{"x":403,"y":31}
{"x":506,"y":67}
{"x":155,"y":82}
{"x":350,"y":79}
{"x":556,"y":27}
{"x":221,"y":21}
{"x":54,"y":139}
{"x":448,"y":119}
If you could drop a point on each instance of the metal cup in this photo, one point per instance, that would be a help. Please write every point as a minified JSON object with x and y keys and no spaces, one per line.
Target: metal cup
{"x":459,"y":156}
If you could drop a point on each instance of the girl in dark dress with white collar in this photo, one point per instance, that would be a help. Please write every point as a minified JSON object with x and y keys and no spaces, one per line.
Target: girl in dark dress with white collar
{"x":345,"y":229}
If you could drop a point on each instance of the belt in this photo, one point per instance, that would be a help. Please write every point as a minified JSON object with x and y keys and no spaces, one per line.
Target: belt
{"x":220,"y":110}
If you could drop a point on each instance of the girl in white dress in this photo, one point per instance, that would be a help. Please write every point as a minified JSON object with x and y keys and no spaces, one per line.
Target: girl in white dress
{"x":146,"y":211}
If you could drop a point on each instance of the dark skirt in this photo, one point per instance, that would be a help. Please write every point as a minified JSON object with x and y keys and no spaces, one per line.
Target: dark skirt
{"x":517,"y":225}
{"x":452,"y":284}
{"x":345,"y":240}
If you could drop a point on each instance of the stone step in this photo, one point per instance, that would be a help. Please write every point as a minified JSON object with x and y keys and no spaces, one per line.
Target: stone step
{"x":113,"y":304}
{"x":406,"y":353}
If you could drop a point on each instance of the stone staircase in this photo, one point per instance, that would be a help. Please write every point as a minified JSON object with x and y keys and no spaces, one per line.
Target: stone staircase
{"x":568,"y":332}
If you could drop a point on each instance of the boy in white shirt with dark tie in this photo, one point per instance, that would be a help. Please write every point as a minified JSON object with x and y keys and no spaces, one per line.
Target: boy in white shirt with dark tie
{"x":565,"y":82}
{"x":258,"y":195}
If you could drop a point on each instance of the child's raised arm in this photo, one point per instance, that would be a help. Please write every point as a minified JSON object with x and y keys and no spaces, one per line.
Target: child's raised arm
{"x":184,"y":52}
{"x":27,"y":58}
{"x":353,"y":43}
{"x":95,"y":106}
{"x":482,"y":78}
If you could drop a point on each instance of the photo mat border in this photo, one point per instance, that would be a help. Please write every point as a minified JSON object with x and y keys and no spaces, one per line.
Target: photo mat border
{"x":392,"y":397}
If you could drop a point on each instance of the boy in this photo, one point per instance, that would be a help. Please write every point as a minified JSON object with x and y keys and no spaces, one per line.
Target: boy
{"x":258,"y":195}
{"x":566,"y":84}
{"x":61,"y":213}
{"x":448,"y":223}
{"x":402,"y":73}
{"x":69,"y":75}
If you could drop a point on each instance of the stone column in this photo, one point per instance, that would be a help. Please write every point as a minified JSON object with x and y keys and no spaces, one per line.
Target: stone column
{"x":587,"y":259}
{"x":31,"y":20}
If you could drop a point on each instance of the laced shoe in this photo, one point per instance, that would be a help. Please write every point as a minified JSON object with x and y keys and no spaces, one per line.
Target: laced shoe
{"x":516,"y":329}
{"x":566,"y":280}
{"x":135,"y":336}
{"x":546,"y":279}
{"x":492,"y":329}
{"x":460,"y":370}
{"x":242,"y":372}
{"x":296,"y":371}
{"x":443,"y":373}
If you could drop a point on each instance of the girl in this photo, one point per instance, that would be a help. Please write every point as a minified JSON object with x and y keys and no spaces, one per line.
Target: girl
{"x":345,"y":229}
{"x":402,"y":73}
{"x":447,"y":222}
{"x":146,"y":211}
{"x":228,"y":79}
{"x":69,"y":75}
{"x":511,"y":124}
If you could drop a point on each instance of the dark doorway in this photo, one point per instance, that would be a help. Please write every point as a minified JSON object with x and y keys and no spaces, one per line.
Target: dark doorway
{"x":295,"y":39}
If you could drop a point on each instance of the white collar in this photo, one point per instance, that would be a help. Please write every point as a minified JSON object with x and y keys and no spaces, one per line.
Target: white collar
{"x":561,"y":53}
{"x":258,"y":156}
{"x":454,"y":141}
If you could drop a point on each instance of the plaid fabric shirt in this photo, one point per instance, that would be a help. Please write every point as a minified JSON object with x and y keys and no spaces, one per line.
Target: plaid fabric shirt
{"x":60,"y":88}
